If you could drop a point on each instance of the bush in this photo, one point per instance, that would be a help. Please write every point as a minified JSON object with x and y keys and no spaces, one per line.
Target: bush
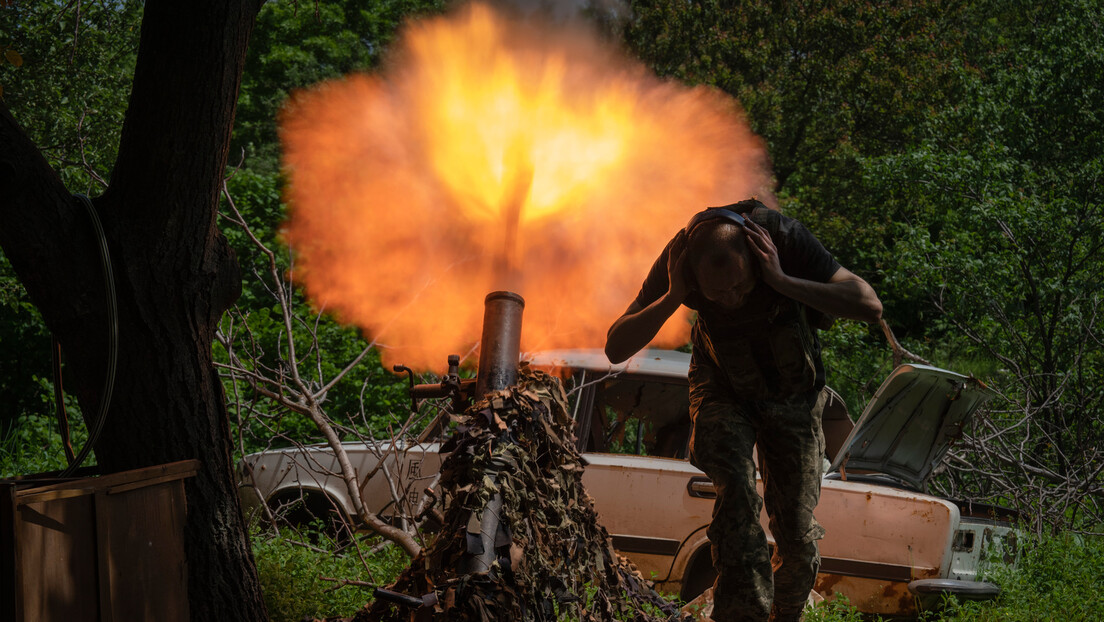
{"x":838,"y":610}
{"x":1057,"y":578}
{"x":33,"y":444}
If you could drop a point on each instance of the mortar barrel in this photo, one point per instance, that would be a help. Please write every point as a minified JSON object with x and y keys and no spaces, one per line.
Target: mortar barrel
{"x":500,"y":346}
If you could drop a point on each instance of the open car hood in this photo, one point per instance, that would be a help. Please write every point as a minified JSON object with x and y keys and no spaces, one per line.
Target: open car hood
{"x":910,"y":423}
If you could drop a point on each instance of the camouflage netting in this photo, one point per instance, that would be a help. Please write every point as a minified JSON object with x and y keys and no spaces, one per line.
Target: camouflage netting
{"x":553,"y":559}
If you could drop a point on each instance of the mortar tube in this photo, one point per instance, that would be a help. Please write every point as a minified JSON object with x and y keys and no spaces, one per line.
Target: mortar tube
{"x":500,"y":346}
{"x":499,"y":351}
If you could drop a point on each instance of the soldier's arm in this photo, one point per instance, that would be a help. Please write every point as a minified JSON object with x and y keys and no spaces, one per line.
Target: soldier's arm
{"x":639,"y":324}
{"x":845,"y":294}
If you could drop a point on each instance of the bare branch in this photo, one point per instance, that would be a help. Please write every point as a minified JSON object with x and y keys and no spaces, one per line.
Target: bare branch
{"x":285,"y":387}
{"x":899,"y":352}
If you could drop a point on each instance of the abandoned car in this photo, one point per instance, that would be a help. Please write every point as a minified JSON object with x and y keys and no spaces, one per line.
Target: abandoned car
{"x":890,"y":547}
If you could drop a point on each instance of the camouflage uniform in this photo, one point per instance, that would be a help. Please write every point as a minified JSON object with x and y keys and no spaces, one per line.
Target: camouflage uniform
{"x":756,"y":379}
{"x":791,"y":446}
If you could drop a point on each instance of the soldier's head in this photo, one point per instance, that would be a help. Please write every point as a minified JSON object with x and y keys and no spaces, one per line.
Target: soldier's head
{"x":721,"y":262}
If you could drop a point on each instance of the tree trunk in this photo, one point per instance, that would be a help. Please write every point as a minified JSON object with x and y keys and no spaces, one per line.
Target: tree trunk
{"x":174,"y":276}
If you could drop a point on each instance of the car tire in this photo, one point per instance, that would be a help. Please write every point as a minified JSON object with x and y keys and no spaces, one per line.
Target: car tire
{"x":699,"y":575}
{"x":303,"y":511}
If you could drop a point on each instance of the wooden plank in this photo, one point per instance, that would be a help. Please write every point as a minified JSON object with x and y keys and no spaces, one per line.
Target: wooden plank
{"x":143,"y":567}
{"x":174,"y":470}
{"x":57,"y":560}
{"x":104,"y":558}
{"x":10,"y":594}
{"x":95,"y":548}
{"x":52,"y":495}
{"x":114,"y":490}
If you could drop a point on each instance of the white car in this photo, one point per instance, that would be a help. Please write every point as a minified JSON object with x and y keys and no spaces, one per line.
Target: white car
{"x":890,"y":548}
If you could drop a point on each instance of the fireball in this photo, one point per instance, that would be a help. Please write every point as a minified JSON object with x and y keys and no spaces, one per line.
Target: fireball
{"x":497,"y":153}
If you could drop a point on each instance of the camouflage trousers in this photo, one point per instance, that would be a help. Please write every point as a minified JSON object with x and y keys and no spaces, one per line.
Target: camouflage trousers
{"x":751,"y":585}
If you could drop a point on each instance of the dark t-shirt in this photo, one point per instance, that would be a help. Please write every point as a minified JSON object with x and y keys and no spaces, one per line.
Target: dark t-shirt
{"x":800,"y":254}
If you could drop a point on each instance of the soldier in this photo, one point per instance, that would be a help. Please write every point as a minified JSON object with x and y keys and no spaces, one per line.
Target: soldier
{"x":761,"y":283}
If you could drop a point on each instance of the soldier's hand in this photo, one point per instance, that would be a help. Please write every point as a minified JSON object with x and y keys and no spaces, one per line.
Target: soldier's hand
{"x":762,"y":248}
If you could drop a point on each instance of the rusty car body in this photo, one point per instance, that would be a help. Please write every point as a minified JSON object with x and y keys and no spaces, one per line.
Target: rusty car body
{"x":887,"y":541}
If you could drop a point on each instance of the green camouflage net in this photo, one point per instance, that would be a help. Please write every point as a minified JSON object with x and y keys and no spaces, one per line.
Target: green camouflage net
{"x":552,"y":560}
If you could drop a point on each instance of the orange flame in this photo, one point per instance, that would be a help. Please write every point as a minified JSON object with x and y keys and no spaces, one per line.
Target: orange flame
{"x":492,"y":154}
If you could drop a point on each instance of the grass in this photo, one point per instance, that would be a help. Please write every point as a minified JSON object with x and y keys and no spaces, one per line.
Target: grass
{"x":33,"y":445}
{"x":834,"y":611}
{"x":1057,"y":578}
{"x":292,"y":575}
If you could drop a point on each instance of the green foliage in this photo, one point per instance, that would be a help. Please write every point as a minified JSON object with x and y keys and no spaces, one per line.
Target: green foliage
{"x":1002,"y":231}
{"x":950,"y":154}
{"x":838,"y":610}
{"x":855,"y":362}
{"x":824,"y":84}
{"x":25,"y":347}
{"x":34,"y":445}
{"x":1056,"y":578}
{"x":291,"y":576}
{"x":827,"y":86}
{"x":296,"y":45}
{"x":365,"y":399}
{"x":572,"y":612}
{"x":369,"y":399}
{"x":70,"y":94}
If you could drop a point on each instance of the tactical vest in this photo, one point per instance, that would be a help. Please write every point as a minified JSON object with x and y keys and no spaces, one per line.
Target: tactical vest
{"x":766,"y":348}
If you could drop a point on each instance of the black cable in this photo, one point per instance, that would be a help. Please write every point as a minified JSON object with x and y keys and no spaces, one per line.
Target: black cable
{"x":59,"y":404}
{"x":112,"y":340}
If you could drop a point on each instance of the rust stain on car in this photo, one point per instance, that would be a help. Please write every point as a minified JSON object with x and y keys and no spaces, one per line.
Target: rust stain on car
{"x":906,"y":602}
{"x":825,"y":583}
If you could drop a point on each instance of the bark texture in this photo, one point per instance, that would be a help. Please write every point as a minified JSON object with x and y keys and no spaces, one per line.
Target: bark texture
{"x":174,"y":276}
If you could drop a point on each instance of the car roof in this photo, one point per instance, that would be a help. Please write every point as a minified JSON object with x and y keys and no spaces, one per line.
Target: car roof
{"x":653,"y":362}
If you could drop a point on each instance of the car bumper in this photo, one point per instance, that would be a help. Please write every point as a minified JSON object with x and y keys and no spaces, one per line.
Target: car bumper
{"x":931,"y":593}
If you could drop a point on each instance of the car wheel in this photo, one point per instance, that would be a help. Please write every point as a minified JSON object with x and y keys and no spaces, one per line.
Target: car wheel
{"x":312,"y":514}
{"x":699,"y":575}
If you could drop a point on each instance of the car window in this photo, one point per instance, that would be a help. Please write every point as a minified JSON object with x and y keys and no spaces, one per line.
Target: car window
{"x":640,"y":415}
